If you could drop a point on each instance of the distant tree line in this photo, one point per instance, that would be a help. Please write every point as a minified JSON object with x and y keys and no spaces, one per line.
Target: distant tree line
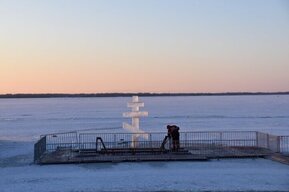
{"x":55,"y":95}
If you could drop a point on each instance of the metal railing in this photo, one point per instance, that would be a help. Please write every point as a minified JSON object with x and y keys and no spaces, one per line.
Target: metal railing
{"x":268,"y":141}
{"x":122,"y":140}
{"x":39,"y":148}
{"x":201,"y":142}
{"x":62,"y":140}
{"x":284,"y":144}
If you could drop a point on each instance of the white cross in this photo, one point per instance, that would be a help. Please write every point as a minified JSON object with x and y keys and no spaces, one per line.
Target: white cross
{"x":135,"y":114}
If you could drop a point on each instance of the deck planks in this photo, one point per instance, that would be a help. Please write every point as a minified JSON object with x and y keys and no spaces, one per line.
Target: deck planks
{"x":151,"y":154}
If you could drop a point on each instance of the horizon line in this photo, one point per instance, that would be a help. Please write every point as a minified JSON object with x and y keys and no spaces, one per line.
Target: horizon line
{"x":128,"y":94}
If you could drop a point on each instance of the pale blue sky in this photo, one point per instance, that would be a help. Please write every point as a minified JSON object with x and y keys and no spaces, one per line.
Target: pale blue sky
{"x":134,"y":45}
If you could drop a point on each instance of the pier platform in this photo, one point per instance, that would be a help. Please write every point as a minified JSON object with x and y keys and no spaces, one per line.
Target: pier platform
{"x":194,"y":146}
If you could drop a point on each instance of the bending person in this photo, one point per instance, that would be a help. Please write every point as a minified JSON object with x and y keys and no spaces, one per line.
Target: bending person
{"x":174,"y":135}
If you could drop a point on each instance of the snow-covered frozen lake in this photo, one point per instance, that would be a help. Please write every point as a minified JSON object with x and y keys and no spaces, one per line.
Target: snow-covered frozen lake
{"x":224,"y":175}
{"x":23,"y":120}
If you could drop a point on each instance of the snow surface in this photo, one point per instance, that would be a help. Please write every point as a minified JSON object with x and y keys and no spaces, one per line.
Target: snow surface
{"x":217,"y":175}
{"x":23,"y":120}
{"x":26,"y":119}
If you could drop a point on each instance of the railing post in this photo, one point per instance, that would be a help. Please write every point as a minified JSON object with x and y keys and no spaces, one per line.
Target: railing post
{"x":257,"y":139}
{"x":114,"y":138}
{"x":268,"y":144}
{"x":221,"y":138}
{"x":278,"y":144}
{"x":150,"y":140}
{"x":96,"y":144}
{"x":186,"y":140}
{"x":79,"y":144}
{"x":39,"y":149}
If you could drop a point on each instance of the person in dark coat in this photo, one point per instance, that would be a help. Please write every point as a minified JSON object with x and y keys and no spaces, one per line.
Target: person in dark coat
{"x":174,"y":135}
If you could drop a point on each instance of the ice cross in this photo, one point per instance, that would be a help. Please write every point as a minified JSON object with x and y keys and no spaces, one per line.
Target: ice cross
{"x":135,"y":114}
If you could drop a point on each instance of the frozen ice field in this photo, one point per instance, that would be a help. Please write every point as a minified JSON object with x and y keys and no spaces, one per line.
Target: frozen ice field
{"x":18,"y":174}
{"x":23,"y":120}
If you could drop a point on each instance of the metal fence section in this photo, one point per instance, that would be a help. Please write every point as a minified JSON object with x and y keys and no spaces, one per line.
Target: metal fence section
{"x":284,"y":144}
{"x":229,"y":138}
{"x":120,"y":140}
{"x":61,"y":140}
{"x":262,"y":140}
{"x":274,"y":143}
{"x":187,"y":139}
{"x":39,"y":148}
{"x":268,"y":141}
{"x":214,"y":144}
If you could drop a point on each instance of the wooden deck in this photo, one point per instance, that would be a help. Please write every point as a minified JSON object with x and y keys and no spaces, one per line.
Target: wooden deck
{"x":62,"y":156}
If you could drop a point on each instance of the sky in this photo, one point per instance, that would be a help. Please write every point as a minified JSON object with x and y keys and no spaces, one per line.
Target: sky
{"x":69,"y":46}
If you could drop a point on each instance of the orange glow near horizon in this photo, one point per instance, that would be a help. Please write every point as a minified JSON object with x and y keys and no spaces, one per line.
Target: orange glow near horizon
{"x":106,"y":76}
